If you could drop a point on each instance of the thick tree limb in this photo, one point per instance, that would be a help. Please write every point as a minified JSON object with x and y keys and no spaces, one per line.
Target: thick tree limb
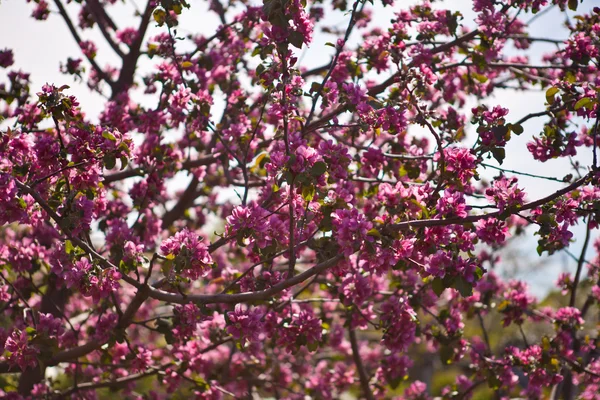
{"x":131,"y":59}
{"x":102,"y":20}
{"x":63,"y":12}
{"x":362,"y":373}
{"x":474,"y":218}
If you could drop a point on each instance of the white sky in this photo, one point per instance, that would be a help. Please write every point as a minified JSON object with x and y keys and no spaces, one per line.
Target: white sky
{"x":39,"y":47}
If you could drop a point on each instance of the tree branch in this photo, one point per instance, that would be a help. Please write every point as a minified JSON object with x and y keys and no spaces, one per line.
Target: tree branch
{"x":131,"y":59}
{"x":362,"y":373}
{"x":63,"y":12}
{"x":474,"y":218}
{"x":102,"y":20}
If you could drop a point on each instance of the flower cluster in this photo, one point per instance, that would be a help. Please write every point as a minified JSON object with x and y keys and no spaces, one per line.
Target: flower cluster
{"x":189,"y":254}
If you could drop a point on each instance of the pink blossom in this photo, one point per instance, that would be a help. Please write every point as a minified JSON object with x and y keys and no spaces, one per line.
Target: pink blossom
{"x":22,"y":353}
{"x":190,"y":255}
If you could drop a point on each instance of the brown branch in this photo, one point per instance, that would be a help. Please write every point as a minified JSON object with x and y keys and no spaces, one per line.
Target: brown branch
{"x":63,"y":12}
{"x":362,"y":373}
{"x":184,"y":299}
{"x":121,"y":175}
{"x":131,"y":59}
{"x":186,"y":165}
{"x":378,"y":89}
{"x":115,"y":384}
{"x":102,"y":20}
{"x":239,"y":297}
{"x":500,"y":65}
{"x":375,"y":90}
{"x":474,"y":218}
{"x":132,"y":308}
{"x":580,"y":263}
{"x":185,"y":201}
{"x":334,"y":62}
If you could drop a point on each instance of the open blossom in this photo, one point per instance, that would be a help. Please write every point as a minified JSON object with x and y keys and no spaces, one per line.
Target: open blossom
{"x":329,"y":382}
{"x":517,"y":301}
{"x":352,"y":228}
{"x":11,"y":208}
{"x":337,"y":158}
{"x":189,"y":254}
{"x":452,"y":204}
{"x":246,"y":219}
{"x":355,"y":288}
{"x":399,"y":321}
{"x":133,"y":252}
{"x":22,"y":353}
{"x":41,"y":10}
{"x":564,"y":282}
{"x":6,"y":58}
{"x":460,"y":162}
{"x":142,"y":360}
{"x":568,"y":317}
{"x":530,"y":359}
{"x":127,"y":35}
{"x":304,"y":329}
{"x":88,"y":48}
{"x":505,"y":193}
{"x":49,"y":325}
{"x":492,"y":231}
{"x":101,"y":284}
{"x":416,"y":391}
{"x":245,"y":323}
{"x":394,"y":368}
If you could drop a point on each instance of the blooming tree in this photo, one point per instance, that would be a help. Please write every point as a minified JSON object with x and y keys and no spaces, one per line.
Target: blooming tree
{"x":334,"y":232}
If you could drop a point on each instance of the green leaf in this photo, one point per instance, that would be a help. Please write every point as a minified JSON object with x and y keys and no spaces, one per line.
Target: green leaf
{"x":296,"y":39}
{"x":480,"y":78}
{"x":124,"y":162}
{"x":438,"y":286}
{"x":69,"y":247}
{"x":109,"y":161}
{"x":550,"y":94}
{"x":500,"y":132}
{"x":160,"y":16}
{"x":308,"y":192}
{"x":499,"y":154}
{"x":479,"y":272}
{"x":318,"y":169}
{"x":493,"y":381}
{"x":374,"y":232}
{"x":573,"y":5}
{"x":446,"y":355}
{"x":517,"y":129}
{"x":465,"y":288}
{"x":260,"y":69}
{"x":109,"y":136}
{"x":413,"y":171}
{"x":582,"y":103}
{"x":452,"y":21}
{"x":22,"y":203}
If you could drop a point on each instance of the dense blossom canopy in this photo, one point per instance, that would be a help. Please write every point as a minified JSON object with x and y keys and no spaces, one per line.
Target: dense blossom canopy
{"x":334,"y":235}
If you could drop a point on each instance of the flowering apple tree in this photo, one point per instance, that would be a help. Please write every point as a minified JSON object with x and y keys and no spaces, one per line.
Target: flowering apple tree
{"x":333,"y":236}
